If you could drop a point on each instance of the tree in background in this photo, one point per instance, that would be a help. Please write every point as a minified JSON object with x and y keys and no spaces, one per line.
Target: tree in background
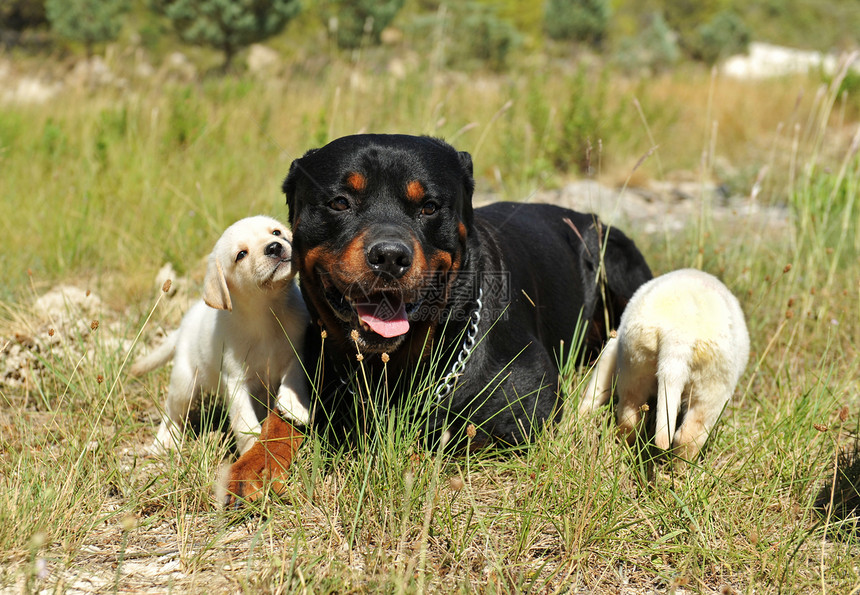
{"x":87,"y":21}
{"x":228,"y":25}
{"x":577,"y":20}
{"x":353,"y":21}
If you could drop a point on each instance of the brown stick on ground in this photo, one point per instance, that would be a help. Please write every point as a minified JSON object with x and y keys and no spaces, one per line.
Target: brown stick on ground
{"x":265,"y":463}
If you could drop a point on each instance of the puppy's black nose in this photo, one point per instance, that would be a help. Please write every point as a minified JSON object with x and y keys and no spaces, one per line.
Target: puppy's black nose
{"x":391,"y":257}
{"x":274,"y":250}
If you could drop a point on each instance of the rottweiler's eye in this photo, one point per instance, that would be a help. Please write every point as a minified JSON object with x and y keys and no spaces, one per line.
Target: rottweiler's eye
{"x":429,"y":207}
{"x":338,"y":204}
{"x":242,"y":254}
{"x":277,"y":232}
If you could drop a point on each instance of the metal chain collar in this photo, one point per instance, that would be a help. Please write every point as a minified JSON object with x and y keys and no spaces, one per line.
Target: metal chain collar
{"x":450,"y":380}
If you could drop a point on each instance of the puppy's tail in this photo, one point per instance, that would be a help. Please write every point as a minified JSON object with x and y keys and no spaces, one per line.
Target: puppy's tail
{"x":157,"y":357}
{"x":673,"y":372}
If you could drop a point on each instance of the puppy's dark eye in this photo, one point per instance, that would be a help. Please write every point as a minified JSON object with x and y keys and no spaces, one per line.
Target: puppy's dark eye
{"x":429,"y":207}
{"x":339,"y":204}
{"x":277,"y":232}
{"x":242,"y":254}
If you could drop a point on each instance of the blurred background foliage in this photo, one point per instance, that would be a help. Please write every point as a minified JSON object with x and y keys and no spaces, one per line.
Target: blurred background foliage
{"x":484,"y":32}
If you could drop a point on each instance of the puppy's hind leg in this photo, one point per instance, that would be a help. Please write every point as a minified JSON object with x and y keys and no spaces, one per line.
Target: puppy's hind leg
{"x":673,"y":372}
{"x":706,"y":407}
{"x":599,"y":387}
{"x":180,"y":395}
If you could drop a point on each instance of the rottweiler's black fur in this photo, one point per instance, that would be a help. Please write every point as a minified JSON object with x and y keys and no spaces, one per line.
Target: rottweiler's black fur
{"x":392,"y":259}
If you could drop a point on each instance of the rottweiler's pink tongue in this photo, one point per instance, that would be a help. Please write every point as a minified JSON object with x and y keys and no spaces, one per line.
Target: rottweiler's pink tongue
{"x":383,"y":319}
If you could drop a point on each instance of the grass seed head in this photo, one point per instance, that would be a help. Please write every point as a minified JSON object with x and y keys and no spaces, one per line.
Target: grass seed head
{"x":166,"y":287}
{"x":129,"y":522}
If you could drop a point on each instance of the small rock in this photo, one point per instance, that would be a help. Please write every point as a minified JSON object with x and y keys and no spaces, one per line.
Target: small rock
{"x":262,"y":59}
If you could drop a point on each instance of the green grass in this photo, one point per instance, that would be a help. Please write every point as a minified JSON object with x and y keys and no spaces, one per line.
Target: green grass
{"x":100,"y":189}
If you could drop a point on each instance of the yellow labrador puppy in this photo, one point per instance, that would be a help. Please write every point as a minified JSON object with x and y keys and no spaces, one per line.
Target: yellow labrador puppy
{"x":683,"y":339}
{"x":240,"y":341}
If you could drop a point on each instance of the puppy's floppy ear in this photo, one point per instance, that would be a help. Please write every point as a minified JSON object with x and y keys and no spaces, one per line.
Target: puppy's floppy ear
{"x":215,"y":292}
{"x":289,"y":185}
{"x":468,"y":185}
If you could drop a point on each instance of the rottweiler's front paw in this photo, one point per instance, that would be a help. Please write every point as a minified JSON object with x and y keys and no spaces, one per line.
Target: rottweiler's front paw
{"x":264,"y":465}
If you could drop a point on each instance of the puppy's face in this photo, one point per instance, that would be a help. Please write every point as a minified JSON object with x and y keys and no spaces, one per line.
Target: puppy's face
{"x":253,"y":255}
{"x":380,"y":224}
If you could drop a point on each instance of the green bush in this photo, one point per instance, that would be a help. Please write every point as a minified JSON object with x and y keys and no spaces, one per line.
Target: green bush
{"x":87,"y":21}
{"x":486,"y":36}
{"x":474,"y":35}
{"x":724,"y":35}
{"x":577,"y":20}
{"x":353,"y":22}
{"x":653,"y":50}
{"x":586,"y":121}
{"x":228,"y":25}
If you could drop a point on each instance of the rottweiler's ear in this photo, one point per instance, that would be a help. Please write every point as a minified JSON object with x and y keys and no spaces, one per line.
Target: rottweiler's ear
{"x":289,"y":188}
{"x":466,"y":164}
{"x":468,"y":185}
{"x":626,"y":268}
{"x":215,"y":292}
{"x":289,"y":185}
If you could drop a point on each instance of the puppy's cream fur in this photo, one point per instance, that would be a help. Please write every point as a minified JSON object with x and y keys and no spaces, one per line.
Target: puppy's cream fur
{"x":683,"y":339}
{"x":239,"y":342}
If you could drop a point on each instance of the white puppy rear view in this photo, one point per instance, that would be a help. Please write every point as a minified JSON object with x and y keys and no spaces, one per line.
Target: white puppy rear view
{"x":683,"y":339}
{"x":240,"y":341}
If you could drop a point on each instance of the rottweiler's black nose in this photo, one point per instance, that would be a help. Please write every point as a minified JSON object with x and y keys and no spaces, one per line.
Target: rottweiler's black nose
{"x":391,"y":257}
{"x":274,"y":250}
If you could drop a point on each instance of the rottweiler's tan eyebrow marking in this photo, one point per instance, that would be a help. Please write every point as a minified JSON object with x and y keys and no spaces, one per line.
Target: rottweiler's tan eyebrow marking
{"x":414,"y":191}
{"x":356,"y":181}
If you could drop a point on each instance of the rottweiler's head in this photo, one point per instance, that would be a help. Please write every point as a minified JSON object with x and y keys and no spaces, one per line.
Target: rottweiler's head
{"x":380,"y":225}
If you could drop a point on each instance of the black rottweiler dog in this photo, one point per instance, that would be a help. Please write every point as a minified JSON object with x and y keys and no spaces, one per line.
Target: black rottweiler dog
{"x":398,"y":272}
